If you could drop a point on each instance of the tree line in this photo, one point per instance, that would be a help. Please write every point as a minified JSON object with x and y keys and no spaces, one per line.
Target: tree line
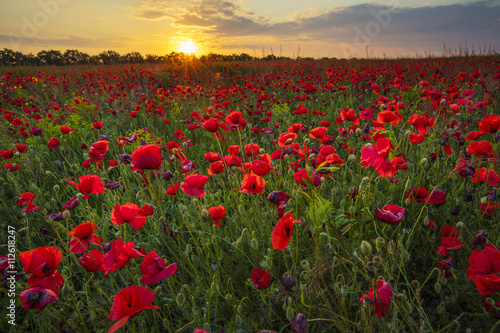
{"x":74,"y":57}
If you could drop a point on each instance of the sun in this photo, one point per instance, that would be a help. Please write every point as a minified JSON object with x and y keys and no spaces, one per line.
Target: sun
{"x":187,"y":46}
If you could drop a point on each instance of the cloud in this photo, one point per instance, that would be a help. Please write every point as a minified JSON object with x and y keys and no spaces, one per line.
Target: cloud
{"x":374,"y":25}
{"x":64,"y":41}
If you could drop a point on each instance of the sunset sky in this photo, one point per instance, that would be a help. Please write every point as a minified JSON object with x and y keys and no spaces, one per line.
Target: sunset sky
{"x":320,"y":28}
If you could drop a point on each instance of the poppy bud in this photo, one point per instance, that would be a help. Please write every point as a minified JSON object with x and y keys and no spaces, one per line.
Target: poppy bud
{"x":366,"y":248}
{"x":79,"y":196}
{"x":213,"y":265}
{"x":351,"y":158}
{"x":240,"y":308}
{"x":367,"y":146}
{"x":262,"y":151}
{"x":490,"y":301}
{"x":377,"y":261}
{"x":437,"y":287}
{"x":291,"y":172}
{"x":65,"y":289}
{"x":303,"y":285}
{"x":370,"y":266}
{"x":238,"y":320}
{"x":415,"y":284}
{"x":359,"y":131}
{"x":79,"y":306}
{"x":290,"y":313}
{"x":66,"y":214}
{"x":239,"y":242}
{"x":196,"y":312}
{"x":460,"y":225}
{"x":408,"y":306}
{"x":306,"y":141}
{"x":305,"y":265}
{"x":241,"y":209}
{"x":484,"y":199}
{"x":324,"y":235}
{"x":157,"y":290}
{"x":328,"y":247}
{"x":440,"y":308}
{"x":48,"y":173}
{"x":379,"y":243}
{"x":204,"y":213}
{"x":407,"y":201}
{"x":424,"y":162}
{"x":254,"y":243}
{"x":56,"y":188}
{"x":180,"y":299}
{"x":189,"y":248}
{"x":344,"y":291}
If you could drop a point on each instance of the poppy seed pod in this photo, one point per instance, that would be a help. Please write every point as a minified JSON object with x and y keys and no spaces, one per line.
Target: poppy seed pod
{"x":379,"y":243}
{"x":370,"y":266}
{"x":305,"y":264}
{"x":344,"y":291}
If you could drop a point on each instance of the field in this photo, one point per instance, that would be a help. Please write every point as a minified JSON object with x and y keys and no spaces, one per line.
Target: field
{"x":287,"y":196}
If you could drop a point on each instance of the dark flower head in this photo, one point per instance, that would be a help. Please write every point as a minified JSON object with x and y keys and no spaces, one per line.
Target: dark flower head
{"x":299,"y":324}
{"x":479,"y":239}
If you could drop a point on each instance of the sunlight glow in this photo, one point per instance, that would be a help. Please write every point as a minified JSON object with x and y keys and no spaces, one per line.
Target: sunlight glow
{"x":187,"y":46}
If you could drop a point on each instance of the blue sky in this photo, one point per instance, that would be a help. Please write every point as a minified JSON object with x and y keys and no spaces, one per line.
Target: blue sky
{"x":318,"y":27}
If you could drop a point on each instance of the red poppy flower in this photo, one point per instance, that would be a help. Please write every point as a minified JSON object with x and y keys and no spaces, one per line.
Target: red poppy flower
{"x":485,"y":268}
{"x":21,"y":148}
{"x":119,"y":255}
{"x":146,"y":157}
{"x":260,"y":278}
{"x":399,"y":162}
{"x":30,"y":208}
{"x":193,"y":185}
{"x":235,"y":119}
{"x":211,"y":125}
{"x":42,"y":264}
{"x":12,"y":167}
{"x":380,"y":299}
{"x":146,"y":210}
{"x":482,"y":149}
{"x":390,"y":214}
{"x":128,"y":213}
{"x":216,"y":167}
{"x":301,"y":177}
{"x":436,"y":197}
{"x":286,"y":139}
{"x":419,"y":194}
{"x":251,"y":150}
{"x":449,"y":240}
{"x":388,"y":116}
{"x":252,"y":183}
{"x":93,"y":261}
{"x":217,"y":214}
{"x":89,"y":184}
{"x":260,"y":168}
{"x":82,"y":235}
{"x":294,"y":128}
{"x":489,"y":124}
{"x":7,"y":154}
{"x":36,"y":131}
{"x":25,"y":198}
{"x":199,"y":330}
{"x":464,"y":168}
{"x":376,"y":156}
{"x":416,"y":138}
{"x":37,"y":298}
{"x":173,"y":189}
{"x":318,"y":132}
{"x":99,"y":148}
{"x":53,"y":143}
{"x":279,"y":198}
{"x":347,"y":115}
{"x":283,"y":231}
{"x":98,"y":125}
{"x":486,"y":175}
{"x":65,"y":129}
{"x":128,"y":302}
{"x":154,"y":269}
{"x":212,"y":157}
{"x":421,"y":123}
{"x":472,"y":136}
{"x":487,"y":208}
{"x":72,"y":203}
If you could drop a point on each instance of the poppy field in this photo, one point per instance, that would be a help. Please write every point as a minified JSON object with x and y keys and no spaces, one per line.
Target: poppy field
{"x":286,"y":196}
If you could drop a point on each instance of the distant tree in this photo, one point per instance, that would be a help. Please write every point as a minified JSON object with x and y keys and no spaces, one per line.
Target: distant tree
{"x":110,"y":57}
{"x":73,"y":57}
{"x":52,"y":57}
{"x":133,"y":58}
{"x":11,"y":58}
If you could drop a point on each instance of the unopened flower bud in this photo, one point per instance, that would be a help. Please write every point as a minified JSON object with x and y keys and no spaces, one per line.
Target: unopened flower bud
{"x":180,"y":299}
{"x":415,"y":284}
{"x":379,"y":243}
{"x":370,"y":266}
{"x":366,"y":248}
{"x":424,"y":161}
{"x":56,"y":188}
{"x":66,"y":214}
{"x":437,"y":287}
{"x":204,"y":213}
{"x":254,"y":243}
